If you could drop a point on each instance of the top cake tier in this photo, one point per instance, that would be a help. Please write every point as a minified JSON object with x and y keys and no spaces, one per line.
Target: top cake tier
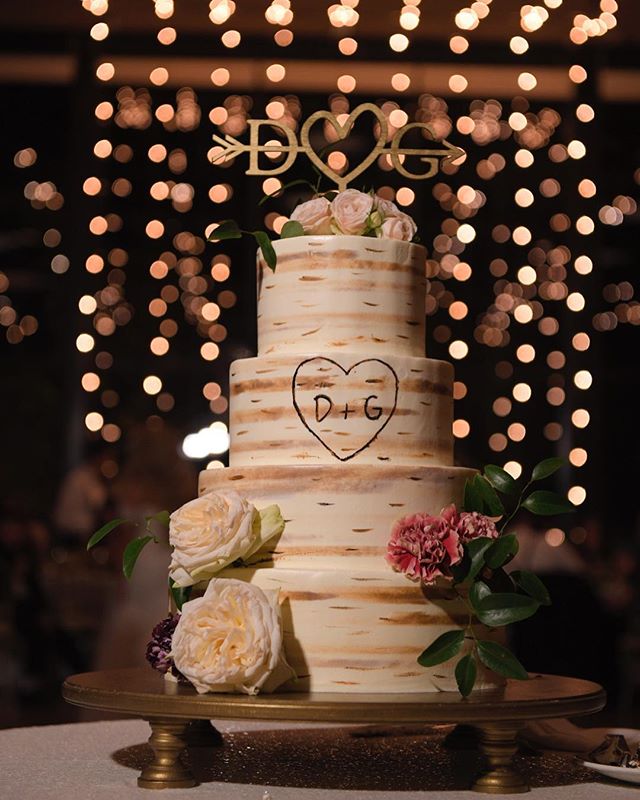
{"x":353,"y":293}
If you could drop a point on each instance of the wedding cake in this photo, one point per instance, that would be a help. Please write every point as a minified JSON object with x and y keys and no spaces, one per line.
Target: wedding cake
{"x":344,"y":423}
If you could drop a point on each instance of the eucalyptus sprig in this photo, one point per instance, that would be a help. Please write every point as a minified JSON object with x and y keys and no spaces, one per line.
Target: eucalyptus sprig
{"x":493,"y":596}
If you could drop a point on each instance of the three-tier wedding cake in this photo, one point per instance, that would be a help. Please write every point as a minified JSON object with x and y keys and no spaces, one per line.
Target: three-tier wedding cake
{"x":343,"y":422}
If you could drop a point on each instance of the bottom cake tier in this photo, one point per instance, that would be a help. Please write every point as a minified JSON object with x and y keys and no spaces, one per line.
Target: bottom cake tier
{"x":351,"y":624}
{"x":363,"y":631}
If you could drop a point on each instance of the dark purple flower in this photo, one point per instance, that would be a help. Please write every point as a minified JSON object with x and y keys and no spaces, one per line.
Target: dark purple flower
{"x":159,"y":647}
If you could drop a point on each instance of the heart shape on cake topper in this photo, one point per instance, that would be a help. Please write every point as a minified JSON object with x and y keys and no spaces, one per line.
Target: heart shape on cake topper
{"x":345,"y":408}
{"x":343,"y":129}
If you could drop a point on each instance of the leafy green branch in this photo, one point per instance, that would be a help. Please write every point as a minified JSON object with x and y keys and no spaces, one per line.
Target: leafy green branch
{"x":229,"y":229}
{"x":481,"y":493}
{"x":493,"y":596}
{"x":135,"y":546}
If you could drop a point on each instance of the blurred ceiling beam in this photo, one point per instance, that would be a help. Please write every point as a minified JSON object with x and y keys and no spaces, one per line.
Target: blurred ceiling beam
{"x":318,"y":76}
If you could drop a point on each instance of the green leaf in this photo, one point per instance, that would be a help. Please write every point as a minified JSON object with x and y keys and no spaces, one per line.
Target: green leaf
{"x":227,"y":229}
{"x":286,"y":186}
{"x":162,"y":517}
{"x":466,"y":675}
{"x":445,"y":647}
{"x":264,"y":243}
{"x":491,"y":503}
{"x":472,"y":500}
{"x":532,"y":585}
{"x":99,"y":535}
{"x":476,"y":549}
{"x":500,"y":581}
{"x":501,"y":480}
{"x":501,"y":660}
{"x":546,"y":468}
{"x":547,"y":504}
{"x":290,"y":229}
{"x":478,"y":590}
{"x":330,"y":195}
{"x":502,"y":550}
{"x":180,"y":594}
{"x":131,"y":553}
{"x":472,"y":559}
{"x":503,"y":608}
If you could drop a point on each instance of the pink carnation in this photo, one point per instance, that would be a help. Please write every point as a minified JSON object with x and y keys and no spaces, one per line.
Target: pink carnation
{"x":469,"y":525}
{"x":423,"y":547}
{"x":472,"y":525}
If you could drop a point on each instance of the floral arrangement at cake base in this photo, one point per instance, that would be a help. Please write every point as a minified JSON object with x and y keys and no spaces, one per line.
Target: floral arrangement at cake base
{"x":468,"y":551}
{"x":229,"y":639}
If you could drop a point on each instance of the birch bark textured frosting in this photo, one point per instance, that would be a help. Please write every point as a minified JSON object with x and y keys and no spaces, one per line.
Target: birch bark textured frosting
{"x":343,"y":293}
{"x":343,"y":422}
{"x":314,"y":409}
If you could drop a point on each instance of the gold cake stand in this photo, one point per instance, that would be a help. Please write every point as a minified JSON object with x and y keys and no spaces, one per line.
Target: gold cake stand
{"x":175,"y":713}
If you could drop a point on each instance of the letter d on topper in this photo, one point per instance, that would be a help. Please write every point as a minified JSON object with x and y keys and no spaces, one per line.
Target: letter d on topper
{"x":255,"y":148}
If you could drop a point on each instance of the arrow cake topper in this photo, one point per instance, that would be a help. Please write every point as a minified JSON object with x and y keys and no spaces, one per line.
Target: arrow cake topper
{"x":431,"y":156}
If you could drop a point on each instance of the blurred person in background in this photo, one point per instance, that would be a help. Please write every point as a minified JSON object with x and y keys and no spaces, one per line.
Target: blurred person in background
{"x":83,"y":503}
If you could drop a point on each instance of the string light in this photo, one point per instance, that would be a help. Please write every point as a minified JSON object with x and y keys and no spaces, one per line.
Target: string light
{"x":525,"y":287}
{"x":220,"y":11}
{"x":343,"y":14}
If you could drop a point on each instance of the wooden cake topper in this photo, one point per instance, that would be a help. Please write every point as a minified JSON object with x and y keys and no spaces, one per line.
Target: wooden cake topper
{"x":231,"y":147}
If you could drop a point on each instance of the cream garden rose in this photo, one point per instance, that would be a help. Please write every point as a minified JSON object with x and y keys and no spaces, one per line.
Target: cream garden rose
{"x":387,"y":208}
{"x":355,"y":213}
{"x":230,"y":639}
{"x":314,"y":216}
{"x":351,"y":210}
{"x":400,"y":226}
{"x":210,"y":532}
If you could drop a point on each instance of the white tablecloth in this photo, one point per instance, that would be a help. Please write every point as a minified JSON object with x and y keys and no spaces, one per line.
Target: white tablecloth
{"x":101,"y":761}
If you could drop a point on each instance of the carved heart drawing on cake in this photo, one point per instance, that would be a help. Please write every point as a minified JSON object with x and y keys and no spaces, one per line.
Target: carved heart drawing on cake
{"x":345,"y":408}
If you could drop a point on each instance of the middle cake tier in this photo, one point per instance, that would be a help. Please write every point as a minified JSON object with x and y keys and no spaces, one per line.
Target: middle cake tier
{"x":327,"y":407}
{"x":340,"y":516}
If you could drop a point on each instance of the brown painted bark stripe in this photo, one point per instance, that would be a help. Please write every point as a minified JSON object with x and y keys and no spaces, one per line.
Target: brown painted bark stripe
{"x":283,"y":384}
{"x":396,"y":595}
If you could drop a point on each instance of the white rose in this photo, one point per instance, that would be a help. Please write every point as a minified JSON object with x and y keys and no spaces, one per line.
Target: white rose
{"x":230,"y":639}
{"x":314,"y":216}
{"x":210,"y":532}
{"x":398,"y":227}
{"x":351,"y":210}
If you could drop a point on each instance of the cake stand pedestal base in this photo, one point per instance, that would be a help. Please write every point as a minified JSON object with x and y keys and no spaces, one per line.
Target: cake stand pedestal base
{"x":178,"y":716}
{"x":168,"y":741}
{"x":499,"y":744}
